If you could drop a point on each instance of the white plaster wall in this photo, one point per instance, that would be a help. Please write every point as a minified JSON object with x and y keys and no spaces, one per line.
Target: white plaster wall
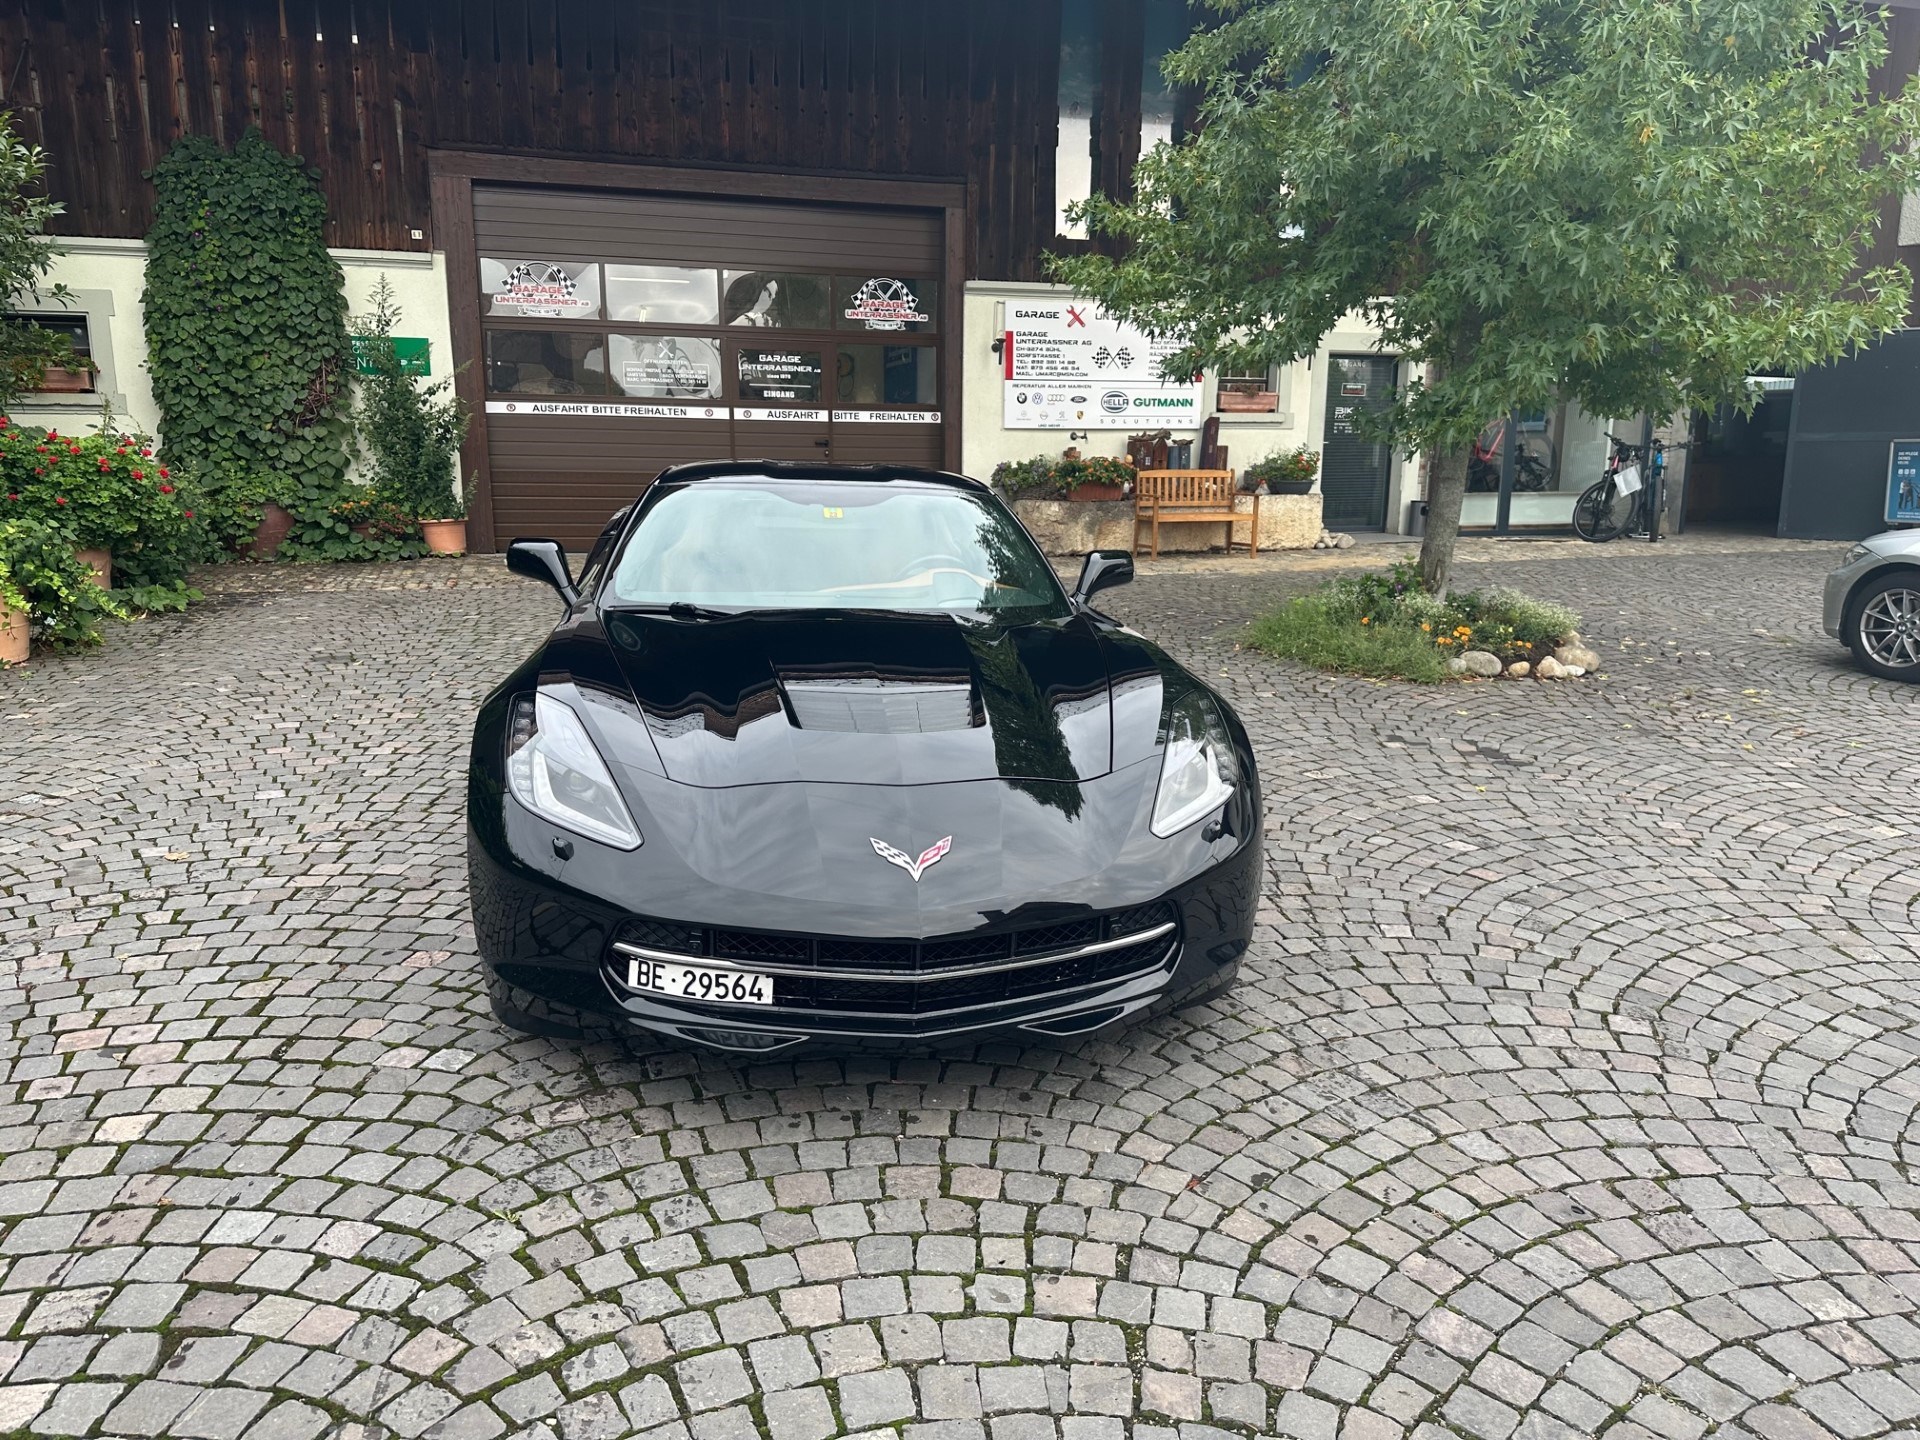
{"x":1300,"y":420}
{"x":108,"y":276}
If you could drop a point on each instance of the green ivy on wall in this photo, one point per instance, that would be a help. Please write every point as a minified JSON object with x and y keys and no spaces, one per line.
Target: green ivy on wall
{"x":247,"y":339}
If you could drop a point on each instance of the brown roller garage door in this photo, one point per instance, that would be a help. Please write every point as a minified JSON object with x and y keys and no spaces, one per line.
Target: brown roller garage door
{"x":622,"y":333}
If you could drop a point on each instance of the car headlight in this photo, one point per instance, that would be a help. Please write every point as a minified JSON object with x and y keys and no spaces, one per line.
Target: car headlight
{"x":1856,"y":555}
{"x":553,"y":770}
{"x":1198,"y":770}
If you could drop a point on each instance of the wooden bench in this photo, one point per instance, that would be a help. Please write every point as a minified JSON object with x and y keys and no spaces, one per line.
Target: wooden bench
{"x":1175,"y":495}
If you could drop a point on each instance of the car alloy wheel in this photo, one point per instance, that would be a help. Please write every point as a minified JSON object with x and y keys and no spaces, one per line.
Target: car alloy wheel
{"x":1886,"y":630}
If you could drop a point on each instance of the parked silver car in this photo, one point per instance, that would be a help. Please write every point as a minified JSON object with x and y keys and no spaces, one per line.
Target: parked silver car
{"x":1872,"y":604}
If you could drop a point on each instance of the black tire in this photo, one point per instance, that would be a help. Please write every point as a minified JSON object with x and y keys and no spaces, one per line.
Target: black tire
{"x":1883,"y":627}
{"x":1601,"y":512}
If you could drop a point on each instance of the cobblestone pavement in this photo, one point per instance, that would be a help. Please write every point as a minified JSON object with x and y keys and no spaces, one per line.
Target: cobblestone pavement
{"x":1571,"y":1089}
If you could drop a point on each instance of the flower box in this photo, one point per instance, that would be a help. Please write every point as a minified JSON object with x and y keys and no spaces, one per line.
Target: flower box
{"x":1089,"y":490}
{"x":1254,"y":402}
{"x":58,"y":381}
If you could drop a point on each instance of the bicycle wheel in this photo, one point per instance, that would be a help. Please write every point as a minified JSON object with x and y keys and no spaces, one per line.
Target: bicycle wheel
{"x":1601,"y":512}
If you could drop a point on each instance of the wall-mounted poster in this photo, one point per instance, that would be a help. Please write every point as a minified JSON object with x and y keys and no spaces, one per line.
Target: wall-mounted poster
{"x":1903,"y":483}
{"x":1068,"y":366}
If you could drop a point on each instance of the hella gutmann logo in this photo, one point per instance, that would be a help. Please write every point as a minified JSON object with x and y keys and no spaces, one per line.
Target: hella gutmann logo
{"x":1114,"y":402}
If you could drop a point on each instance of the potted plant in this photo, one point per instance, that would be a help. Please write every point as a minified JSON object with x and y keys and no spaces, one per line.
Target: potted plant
{"x":45,"y":587}
{"x":1291,"y":472}
{"x":413,"y":431}
{"x":1098,"y":477}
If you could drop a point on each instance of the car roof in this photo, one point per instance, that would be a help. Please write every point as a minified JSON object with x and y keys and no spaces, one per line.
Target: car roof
{"x":811,"y":470}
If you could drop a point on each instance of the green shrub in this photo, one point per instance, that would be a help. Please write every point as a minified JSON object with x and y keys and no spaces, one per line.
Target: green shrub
{"x":39,"y":574}
{"x":1387,"y":624}
{"x":412,"y":429}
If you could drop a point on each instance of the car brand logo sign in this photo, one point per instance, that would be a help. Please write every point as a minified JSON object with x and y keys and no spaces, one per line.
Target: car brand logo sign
{"x":1114,"y":402}
{"x":915,"y":868}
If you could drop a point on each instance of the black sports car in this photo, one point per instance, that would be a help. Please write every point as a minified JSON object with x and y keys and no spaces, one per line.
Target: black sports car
{"x":826,"y":753}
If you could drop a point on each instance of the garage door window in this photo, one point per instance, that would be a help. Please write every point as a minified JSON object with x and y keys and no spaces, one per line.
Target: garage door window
{"x":545,"y":362}
{"x":885,"y":302}
{"x":541,"y":289}
{"x":662,"y":295}
{"x":777,"y":299}
{"x":888,"y":375}
{"x":664,"y":367}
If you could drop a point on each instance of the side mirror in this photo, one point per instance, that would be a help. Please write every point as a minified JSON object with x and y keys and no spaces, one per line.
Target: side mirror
{"x":1102,"y":570}
{"x":544,"y":560}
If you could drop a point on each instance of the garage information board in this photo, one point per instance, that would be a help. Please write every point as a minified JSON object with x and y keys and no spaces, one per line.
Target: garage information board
{"x":1903,"y":483}
{"x":1067,"y":365}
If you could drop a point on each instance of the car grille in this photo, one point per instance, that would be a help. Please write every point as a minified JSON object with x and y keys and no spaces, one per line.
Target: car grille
{"x":915,"y":977}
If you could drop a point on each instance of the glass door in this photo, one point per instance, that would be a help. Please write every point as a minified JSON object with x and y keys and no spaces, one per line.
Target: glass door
{"x":781,"y":408}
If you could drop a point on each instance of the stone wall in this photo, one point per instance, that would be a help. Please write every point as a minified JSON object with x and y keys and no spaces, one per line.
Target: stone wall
{"x":1067,"y":527}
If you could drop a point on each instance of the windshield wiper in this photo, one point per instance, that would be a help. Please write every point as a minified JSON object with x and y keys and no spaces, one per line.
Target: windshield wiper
{"x":678,"y":610}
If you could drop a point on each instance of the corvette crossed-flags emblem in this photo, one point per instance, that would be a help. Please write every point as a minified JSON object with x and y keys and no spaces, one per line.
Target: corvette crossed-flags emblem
{"x":915,"y":868}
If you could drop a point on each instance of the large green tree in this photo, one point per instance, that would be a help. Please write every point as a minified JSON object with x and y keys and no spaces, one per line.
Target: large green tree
{"x":1629,"y":203}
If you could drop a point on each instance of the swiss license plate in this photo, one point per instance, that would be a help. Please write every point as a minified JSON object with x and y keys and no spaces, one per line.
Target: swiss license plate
{"x":700,"y":982}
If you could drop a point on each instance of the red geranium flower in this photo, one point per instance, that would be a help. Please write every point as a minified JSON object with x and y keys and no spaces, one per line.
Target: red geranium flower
{"x":163,"y":472}
{"x":58,"y":499}
{"x":105,"y":464}
{"x":139,"y":475}
{"x":166,"y":489}
{"x":187,"y":513}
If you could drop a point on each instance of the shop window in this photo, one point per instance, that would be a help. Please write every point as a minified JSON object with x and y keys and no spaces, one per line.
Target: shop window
{"x":1247,"y":392}
{"x":884,"y":302}
{"x":887,"y":376}
{"x":78,"y":378}
{"x":777,"y":299}
{"x":664,"y":367}
{"x":545,"y":362}
{"x":662,"y":295}
{"x":537,"y":289}
{"x":1559,"y":451}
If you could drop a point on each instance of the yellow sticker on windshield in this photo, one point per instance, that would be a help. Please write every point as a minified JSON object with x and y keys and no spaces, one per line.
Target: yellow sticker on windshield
{"x":832,"y":512}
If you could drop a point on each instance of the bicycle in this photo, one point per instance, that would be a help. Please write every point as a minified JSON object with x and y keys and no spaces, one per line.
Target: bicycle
{"x":1620,"y":502}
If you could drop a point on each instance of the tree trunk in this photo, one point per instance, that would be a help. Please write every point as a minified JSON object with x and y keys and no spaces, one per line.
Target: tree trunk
{"x":1446,"y":486}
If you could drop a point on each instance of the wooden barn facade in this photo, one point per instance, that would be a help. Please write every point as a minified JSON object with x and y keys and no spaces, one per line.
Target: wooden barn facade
{"x":670,"y":230}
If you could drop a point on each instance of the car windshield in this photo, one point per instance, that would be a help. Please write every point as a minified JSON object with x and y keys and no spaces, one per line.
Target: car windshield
{"x":833,"y":545}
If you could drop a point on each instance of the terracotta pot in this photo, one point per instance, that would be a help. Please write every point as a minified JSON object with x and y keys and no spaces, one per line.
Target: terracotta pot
{"x":15,"y":637}
{"x":276,"y":523}
{"x":1089,"y":491}
{"x":444,"y":537}
{"x":101,"y":563}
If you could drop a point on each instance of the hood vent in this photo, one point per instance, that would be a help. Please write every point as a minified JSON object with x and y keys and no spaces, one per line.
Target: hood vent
{"x":881,"y":707}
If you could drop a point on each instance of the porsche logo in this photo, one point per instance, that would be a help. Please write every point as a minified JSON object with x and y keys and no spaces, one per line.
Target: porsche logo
{"x":913,"y":867}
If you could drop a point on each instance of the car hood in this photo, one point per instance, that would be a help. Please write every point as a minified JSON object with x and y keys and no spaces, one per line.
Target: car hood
{"x":863,"y":699}
{"x":1894,"y":542}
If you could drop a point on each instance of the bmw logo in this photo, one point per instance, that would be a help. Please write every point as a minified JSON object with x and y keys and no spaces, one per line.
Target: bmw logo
{"x":1019,"y":397}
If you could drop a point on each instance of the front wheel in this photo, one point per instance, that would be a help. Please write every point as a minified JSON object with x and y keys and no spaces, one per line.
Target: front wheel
{"x":1601,"y":512}
{"x":1884,"y":631}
